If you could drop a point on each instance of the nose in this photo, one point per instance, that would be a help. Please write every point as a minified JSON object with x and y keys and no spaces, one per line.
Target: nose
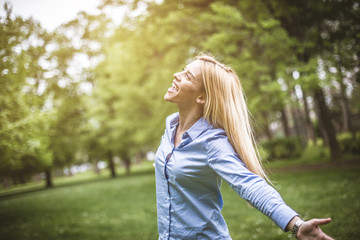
{"x":177,"y":76}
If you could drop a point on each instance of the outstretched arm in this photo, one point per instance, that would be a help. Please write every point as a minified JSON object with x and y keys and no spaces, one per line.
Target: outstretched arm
{"x":310,"y":230}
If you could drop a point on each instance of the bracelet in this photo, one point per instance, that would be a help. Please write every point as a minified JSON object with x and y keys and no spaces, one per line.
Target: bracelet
{"x":296,"y":227}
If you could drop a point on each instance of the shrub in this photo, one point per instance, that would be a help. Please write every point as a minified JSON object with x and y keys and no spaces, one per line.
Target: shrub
{"x":348,"y":144}
{"x":315,"y":154}
{"x":282,"y":148}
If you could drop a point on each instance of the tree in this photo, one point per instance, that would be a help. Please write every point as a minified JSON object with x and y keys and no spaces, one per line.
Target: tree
{"x":42,"y":106}
{"x":23,"y":148}
{"x":130,"y":83}
{"x":307,"y":21}
{"x":254,"y":43}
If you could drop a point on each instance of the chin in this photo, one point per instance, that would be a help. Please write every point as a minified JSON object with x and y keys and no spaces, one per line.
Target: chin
{"x":167,"y":98}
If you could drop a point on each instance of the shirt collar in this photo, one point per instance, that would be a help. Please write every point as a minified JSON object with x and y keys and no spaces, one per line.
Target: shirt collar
{"x":174,"y":121}
{"x":195,"y":129}
{"x":199,"y":127}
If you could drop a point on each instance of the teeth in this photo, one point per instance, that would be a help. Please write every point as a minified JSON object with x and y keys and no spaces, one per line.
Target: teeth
{"x":175,"y":87}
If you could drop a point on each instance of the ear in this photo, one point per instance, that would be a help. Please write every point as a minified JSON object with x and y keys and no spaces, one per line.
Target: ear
{"x":200,"y":99}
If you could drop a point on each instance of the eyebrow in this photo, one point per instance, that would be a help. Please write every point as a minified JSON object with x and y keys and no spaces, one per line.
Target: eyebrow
{"x":186,"y":70}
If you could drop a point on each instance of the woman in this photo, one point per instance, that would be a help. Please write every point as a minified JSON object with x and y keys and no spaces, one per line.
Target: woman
{"x":208,"y":140}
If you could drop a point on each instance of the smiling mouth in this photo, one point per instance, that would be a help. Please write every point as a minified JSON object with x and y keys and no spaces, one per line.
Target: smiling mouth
{"x":173,"y":88}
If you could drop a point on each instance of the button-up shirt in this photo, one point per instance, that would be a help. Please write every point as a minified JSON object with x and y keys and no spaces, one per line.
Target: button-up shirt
{"x":188,"y":182}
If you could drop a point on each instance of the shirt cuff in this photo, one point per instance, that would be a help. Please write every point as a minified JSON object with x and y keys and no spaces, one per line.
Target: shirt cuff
{"x":283,"y":215}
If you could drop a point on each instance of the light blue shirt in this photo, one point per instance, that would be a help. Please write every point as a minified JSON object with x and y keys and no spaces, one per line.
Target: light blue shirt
{"x":188,"y":182}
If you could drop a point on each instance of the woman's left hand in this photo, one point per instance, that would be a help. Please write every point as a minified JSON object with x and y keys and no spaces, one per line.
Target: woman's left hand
{"x":310,"y":230}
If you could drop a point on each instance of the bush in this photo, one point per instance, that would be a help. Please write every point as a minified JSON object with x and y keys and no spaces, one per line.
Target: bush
{"x":282,"y":148}
{"x":315,"y":153}
{"x":348,"y":144}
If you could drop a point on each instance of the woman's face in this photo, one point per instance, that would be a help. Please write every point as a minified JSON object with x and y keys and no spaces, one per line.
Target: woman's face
{"x":187,"y":85}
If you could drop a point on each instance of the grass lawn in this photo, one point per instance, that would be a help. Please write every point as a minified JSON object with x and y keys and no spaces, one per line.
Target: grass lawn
{"x":125,"y":208}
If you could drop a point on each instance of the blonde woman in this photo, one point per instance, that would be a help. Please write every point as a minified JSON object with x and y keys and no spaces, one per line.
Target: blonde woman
{"x":208,"y":140}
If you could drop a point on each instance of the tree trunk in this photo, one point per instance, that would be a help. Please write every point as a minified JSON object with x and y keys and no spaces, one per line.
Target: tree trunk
{"x":127,"y":163}
{"x":267,"y":127}
{"x":326,"y":123}
{"x":96,"y":168}
{"x":111,"y":164}
{"x":309,"y":127}
{"x":285,"y":122}
{"x":346,"y":124}
{"x":48,"y":178}
{"x":298,"y":123}
{"x":6,"y":183}
{"x":322,"y":131}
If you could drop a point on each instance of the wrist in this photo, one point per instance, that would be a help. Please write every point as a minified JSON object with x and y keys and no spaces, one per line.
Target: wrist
{"x":290,"y":225}
{"x":296,"y":227}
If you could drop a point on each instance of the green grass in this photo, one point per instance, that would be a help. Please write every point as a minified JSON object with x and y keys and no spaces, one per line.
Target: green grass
{"x":125,"y":207}
{"x":122,"y":208}
{"x":327,"y":193}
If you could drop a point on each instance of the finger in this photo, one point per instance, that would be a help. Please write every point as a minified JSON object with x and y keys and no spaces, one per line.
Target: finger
{"x":328,"y":238}
{"x":318,"y":222}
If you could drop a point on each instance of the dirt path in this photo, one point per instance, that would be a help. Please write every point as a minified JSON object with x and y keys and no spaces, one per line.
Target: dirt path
{"x":353,"y":163}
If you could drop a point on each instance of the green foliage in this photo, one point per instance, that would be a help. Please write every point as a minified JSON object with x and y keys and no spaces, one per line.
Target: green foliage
{"x":23,"y":148}
{"x":348,"y":144}
{"x":315,"y":154}
{"x":48,"y":121}
{"x":131,"y":81}
{"x":253,"y":42}
{"x":282,"y":148}
{"x":41,"y":108}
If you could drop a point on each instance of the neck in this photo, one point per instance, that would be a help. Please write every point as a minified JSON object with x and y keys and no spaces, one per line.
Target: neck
{"x":188,"y":117}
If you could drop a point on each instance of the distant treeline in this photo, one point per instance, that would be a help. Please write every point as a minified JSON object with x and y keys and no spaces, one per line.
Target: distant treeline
{"x":93,"y":90}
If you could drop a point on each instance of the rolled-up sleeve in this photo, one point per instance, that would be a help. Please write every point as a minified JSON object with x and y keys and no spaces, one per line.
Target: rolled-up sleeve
{"x":223,"y":159}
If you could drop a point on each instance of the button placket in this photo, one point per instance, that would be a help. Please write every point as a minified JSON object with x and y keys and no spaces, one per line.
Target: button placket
{"x":168,"y":188}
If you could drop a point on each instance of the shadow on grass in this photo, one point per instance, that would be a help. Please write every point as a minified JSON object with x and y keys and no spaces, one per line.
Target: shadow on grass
{"x":21,"y":193}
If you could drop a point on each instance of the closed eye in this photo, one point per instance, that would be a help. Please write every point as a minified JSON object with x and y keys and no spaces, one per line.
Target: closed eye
{"x":188,"y":73}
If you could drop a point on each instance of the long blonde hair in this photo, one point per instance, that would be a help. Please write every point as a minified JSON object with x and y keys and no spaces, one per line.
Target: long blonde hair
{"x":225,"y":107}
